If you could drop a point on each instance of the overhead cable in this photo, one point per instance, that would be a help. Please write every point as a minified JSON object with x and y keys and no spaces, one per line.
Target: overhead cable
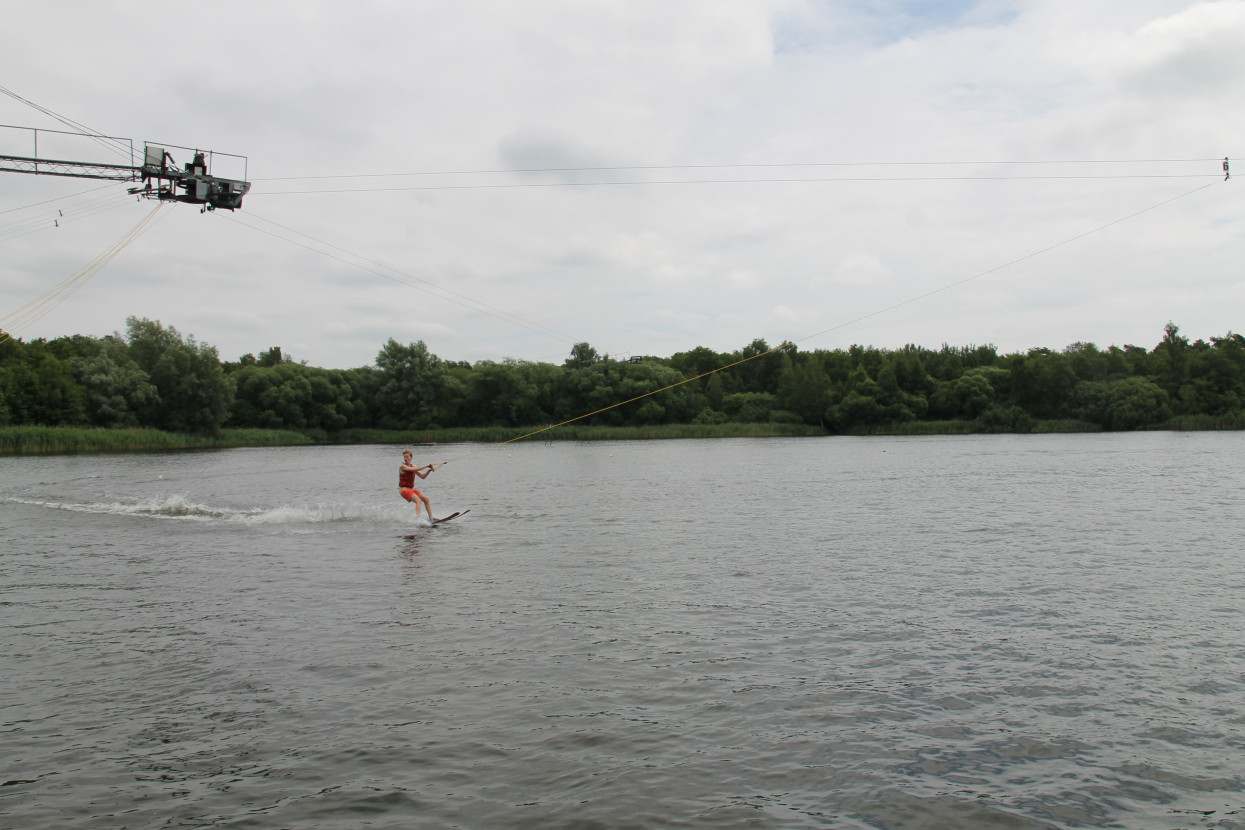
{"x":32,"y":311}
{"x":789,"y":344}
{"x":432,"y":288}
{"x":731,"y":166}
{"x":806,"y":180}
{"x":79,"y":129}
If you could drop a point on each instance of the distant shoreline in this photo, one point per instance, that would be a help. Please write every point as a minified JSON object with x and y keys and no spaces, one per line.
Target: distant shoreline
{"x":38,"y":440}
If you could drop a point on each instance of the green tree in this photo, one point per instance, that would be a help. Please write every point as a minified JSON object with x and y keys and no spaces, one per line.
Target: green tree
{"x":1170,"y":360}
{"x":619,"y":393}
{"x":709,"y":416}
{"x":38,"y":386}
{"x":1042,"y":382}
{"x":283,"y":394}
{"x":411,"y":379}
{"x":908,"y":365}
{"x":761,"y":367}
{"x":898,"y":405}
{"x":804,"y":388}
{"x":362,"y":383}
{"x":643,"y":381}
{"x":510,"y":393}
{"x":273,"y":357}
{"x":582,"y":356}
{"x":976,"y":389}
{"x":859,"y":405}
{"x":1004,"y":419}
{"x":192,"y":393}
{"x":1086,"y":361}
{"x":714,"y":391}
{"x":117,"y":390}
{"x":749,"y":407}
{"x":698,"y":361}
{"x":1215,"y":377}
{"x":287,"y":395}
{"x":1135,"y":402}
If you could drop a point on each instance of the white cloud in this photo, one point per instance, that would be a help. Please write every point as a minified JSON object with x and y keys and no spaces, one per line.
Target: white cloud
{"x":854,"y":269}
{"x":322,"y":89}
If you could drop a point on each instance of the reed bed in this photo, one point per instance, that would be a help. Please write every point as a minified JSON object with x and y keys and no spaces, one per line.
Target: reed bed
{"x":972,"y":428}
{"x":35,"y":440}
{"x":497,"y":435}
{"x":1194,"y":423}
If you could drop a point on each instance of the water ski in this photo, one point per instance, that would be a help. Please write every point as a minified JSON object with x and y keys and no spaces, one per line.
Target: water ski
{"x":451,"y":516}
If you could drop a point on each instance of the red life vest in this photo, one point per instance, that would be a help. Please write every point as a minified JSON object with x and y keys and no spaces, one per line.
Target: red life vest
{"x":406,"y":478}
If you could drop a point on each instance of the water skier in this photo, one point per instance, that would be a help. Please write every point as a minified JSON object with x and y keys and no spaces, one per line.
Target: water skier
{"x":406,"y":483}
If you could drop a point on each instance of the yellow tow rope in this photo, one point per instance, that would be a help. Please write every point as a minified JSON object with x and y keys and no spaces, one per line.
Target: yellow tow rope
{"x":44,"y":303}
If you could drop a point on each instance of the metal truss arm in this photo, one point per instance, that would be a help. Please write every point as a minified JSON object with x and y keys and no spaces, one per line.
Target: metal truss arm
{"x":70,"y":169}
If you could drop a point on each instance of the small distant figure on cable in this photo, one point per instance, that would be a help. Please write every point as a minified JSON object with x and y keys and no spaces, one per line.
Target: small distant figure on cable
{"x":406,"y":484}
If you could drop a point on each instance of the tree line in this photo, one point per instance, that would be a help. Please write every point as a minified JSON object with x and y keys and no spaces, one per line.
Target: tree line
{"x":152,"y":376}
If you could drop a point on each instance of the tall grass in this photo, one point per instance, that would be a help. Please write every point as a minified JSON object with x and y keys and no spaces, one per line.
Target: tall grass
{"x":574,"y":432}
{"x":35,"y":440}
{"x":918,"y":428}
{"x":1193,"y":423}
{"x":1065,"y":425}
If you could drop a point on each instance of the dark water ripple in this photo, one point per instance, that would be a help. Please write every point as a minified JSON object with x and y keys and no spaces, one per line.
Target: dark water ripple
{"x":1001,"y":632}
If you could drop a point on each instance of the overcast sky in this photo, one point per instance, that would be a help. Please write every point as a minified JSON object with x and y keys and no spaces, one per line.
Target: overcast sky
{"x":782,"y":169}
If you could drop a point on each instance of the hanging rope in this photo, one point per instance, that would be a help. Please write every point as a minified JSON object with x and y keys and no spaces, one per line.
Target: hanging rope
{"x":791,"y":343}
{"x":35,"y":309}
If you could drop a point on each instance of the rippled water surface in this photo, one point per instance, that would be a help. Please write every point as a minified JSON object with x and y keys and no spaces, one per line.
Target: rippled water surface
{"x":970,"y":632}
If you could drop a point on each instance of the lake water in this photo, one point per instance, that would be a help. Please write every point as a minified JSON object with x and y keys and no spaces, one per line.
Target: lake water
{"x":948,"y":632}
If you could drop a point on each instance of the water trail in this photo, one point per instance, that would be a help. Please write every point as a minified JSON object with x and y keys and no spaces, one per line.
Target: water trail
{"x":179,"y":508}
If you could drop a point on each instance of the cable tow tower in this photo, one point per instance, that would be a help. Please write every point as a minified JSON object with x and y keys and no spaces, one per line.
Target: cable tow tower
{"x":193,"y":183}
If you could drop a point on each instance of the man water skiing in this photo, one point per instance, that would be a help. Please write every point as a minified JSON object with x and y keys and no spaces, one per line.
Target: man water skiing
{"x":406,"y":484}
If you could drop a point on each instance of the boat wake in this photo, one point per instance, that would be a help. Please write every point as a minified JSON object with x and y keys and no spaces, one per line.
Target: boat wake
{"x":178,"y":508}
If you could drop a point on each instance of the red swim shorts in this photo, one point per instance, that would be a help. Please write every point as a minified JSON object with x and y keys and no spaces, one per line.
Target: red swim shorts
{"x":409,"y":493}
